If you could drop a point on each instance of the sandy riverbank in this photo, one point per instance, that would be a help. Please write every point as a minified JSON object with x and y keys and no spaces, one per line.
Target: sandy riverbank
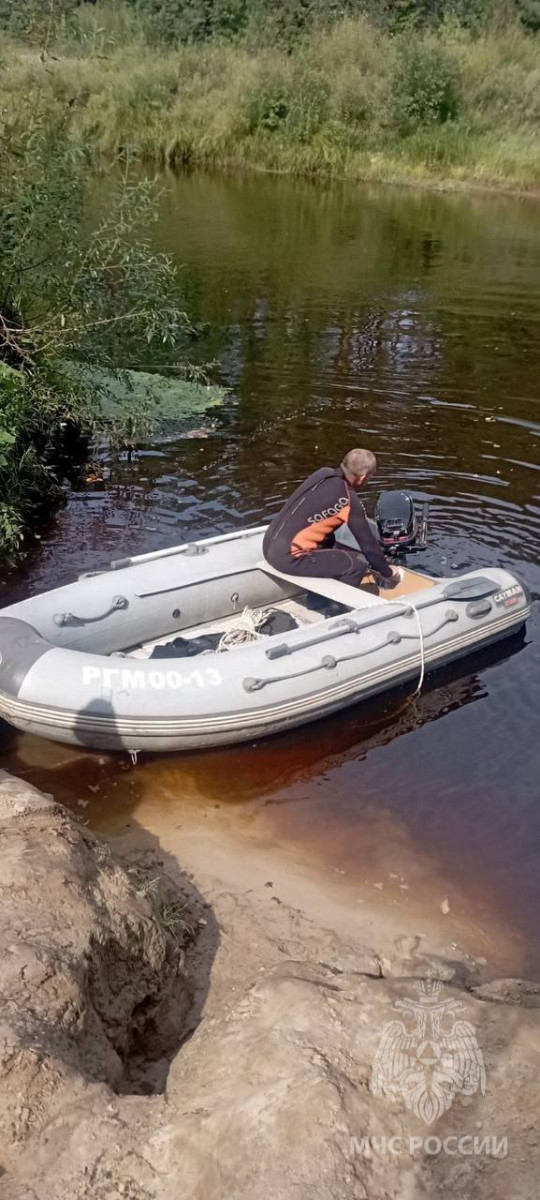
{"x":197,"y":1026}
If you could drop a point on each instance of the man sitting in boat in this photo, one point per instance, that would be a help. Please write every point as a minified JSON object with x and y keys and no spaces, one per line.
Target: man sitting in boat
{"x":301,"y":539}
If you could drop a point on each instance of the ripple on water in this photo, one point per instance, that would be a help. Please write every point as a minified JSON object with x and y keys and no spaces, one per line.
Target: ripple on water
{"x":432,"y":357}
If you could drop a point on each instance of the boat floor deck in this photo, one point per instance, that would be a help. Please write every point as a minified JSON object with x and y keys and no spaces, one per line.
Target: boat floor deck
{"x":302,"y":607}
{"x":297,"y":607}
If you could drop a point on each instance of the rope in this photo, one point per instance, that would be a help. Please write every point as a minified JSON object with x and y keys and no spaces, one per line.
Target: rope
{"x":405,"y":600}
{"x":246,"y":630}
{"x":421,"y":640}
{"x":422,"y":652}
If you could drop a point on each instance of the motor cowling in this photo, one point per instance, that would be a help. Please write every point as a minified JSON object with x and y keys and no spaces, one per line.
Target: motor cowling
{"x":396,"y":521}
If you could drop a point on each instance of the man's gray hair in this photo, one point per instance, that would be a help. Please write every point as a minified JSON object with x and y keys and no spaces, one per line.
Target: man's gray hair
{"x":359,"y":462}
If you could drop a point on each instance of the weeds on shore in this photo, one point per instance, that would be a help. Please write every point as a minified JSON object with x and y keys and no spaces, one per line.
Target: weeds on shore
{"x":451,"y":100}
{"x":172,"y":920}
{"x":356,"y":100}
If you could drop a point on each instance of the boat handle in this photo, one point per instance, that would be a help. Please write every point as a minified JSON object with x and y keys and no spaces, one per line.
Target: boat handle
{"x":237,"y":534}
{"x":118,"y":603}
{"x":341,"y":626}
{"x":344,"y":625}
{"x":393,"y":638}
{"x":252,"y":684}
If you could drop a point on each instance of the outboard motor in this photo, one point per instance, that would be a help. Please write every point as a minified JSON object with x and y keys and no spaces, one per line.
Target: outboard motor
{"x":398,"y":526}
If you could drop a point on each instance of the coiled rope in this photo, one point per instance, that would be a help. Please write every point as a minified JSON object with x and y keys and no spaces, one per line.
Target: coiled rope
{"x":247,"y":629}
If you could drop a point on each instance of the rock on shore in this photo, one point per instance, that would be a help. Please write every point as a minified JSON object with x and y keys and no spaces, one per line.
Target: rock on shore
{"x":118,"y":1079}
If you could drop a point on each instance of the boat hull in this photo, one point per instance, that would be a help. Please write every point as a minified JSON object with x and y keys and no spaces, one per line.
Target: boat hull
{"x":65,"y":676}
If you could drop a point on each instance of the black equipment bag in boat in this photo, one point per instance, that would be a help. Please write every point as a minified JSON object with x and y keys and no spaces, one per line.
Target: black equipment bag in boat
{"x":277,"y":622}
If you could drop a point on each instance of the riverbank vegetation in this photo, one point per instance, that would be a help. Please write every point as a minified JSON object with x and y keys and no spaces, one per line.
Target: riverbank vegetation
{"x":401,"y":90}
{"x":74,"y":297}
{"x":436,"y":91}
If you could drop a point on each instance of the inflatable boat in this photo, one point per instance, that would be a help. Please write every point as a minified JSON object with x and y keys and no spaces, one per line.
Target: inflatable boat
{"x":205,"y":644}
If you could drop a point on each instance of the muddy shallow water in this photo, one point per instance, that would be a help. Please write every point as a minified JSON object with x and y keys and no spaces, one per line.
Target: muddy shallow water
{"x":341,"y":316}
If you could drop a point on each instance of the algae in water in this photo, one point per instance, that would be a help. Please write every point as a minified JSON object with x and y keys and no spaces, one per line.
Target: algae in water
{"x":140,"y":403}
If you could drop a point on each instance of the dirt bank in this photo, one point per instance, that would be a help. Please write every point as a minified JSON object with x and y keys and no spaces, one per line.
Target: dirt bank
{"x":161,"y":1038}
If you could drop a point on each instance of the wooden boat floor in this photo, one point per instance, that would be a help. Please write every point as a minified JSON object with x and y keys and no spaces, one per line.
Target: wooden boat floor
{"x":412,"y":582}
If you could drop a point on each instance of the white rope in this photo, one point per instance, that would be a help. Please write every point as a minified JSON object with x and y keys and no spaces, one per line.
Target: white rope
{"x":420,"y":638}
{"x":406,"y":601}
{"x":422,"y":652}
{"x":246,"y":630}
{"x":248,"y":624}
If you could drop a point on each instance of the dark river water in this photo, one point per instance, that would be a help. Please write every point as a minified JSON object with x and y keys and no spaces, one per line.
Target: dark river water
{"x":342,"y":316}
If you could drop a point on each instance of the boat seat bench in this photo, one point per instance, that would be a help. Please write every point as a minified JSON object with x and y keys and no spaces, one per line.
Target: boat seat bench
{"x":344,"y":593}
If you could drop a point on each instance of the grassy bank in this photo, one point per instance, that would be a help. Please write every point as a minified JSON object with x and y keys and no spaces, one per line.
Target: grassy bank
{"x":360,"y":101}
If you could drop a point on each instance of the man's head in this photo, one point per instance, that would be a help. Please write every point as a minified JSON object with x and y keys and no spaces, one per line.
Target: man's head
{"x":358,"y":466}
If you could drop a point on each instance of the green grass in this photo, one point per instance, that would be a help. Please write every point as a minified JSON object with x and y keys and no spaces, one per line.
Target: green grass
{"x":172,"y":920}
{"x":439,"y":107}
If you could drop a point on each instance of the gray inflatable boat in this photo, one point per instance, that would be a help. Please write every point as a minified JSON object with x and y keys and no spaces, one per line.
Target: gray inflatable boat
{"x":80,"y":665}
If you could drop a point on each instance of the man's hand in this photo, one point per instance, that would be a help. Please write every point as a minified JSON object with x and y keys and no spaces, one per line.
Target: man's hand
{"x":395,"y":578}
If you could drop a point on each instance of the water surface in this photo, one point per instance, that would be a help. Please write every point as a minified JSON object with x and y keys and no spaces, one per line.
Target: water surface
{"x":341,"y":316}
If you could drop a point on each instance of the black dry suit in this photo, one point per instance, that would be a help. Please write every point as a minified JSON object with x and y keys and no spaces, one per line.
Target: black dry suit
{"x":301,"y":539}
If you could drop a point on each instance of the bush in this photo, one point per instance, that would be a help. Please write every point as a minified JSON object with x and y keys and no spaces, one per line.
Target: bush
{"x":424,"y":86}
{"x":296,"y":103}
{"x":66,"y":292}
{"x":310,"y":104}
{"x":501,"y":79}
{"x":529,"y":14}
{"x":355,"y":104}
{"x":176,"y":21}
{"x":35,"y":421}
{"x":35,"y":20}
{"x":268,"y":105}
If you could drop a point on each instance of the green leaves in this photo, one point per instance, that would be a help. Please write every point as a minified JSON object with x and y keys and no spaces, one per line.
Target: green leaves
{"x":11,"y":383}
{"x":294,"y":102}
{"x":100,"y":294}
{"x":7,"y":439}
{"x":425,"y":86}
{"x":32,"y":18}
{"x":10,"y":378}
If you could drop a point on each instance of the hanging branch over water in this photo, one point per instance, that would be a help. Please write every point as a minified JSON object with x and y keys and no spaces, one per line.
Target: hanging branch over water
{"x":67,"y":294}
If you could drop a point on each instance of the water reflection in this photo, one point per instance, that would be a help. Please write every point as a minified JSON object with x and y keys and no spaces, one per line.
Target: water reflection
{"x":370,"y":793}
{"x":341,"y":315}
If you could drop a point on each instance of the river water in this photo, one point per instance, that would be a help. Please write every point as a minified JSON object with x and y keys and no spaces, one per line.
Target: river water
{"x":339,"y":316}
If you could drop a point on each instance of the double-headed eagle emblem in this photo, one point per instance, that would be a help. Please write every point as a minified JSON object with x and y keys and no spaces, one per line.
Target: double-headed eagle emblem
{"x":428,"y":1063}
